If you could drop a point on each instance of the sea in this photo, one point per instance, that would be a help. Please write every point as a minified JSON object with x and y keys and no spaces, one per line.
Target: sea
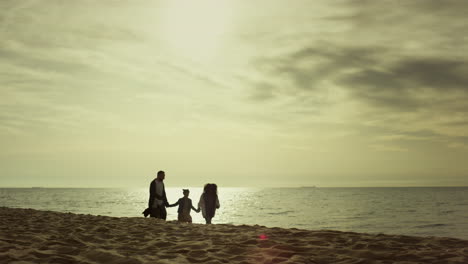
{"x":421,"y":211}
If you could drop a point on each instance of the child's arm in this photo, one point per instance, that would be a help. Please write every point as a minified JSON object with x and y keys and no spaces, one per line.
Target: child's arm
{"x":195,"y":209}
{"x":176,"y":204}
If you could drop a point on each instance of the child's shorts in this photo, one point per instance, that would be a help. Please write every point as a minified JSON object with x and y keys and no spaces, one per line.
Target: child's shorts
{"x":185,"y":218}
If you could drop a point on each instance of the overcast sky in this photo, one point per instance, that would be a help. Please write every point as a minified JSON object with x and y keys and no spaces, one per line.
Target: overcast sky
{"x":240,"y":93}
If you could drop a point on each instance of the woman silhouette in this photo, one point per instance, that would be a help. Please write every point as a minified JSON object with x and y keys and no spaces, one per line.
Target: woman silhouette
{"x":209,"y":201}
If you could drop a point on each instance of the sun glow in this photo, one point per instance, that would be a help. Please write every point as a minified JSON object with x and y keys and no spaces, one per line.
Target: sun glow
{"x":196,"y":28}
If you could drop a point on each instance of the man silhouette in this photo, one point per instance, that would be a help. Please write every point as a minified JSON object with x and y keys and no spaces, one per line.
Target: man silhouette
{"x":157,"y":199}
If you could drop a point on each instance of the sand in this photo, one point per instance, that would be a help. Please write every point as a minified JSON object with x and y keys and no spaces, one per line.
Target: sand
{"x":32,"y":236}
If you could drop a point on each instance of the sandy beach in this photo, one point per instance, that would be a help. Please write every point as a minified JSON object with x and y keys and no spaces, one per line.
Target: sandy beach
{"x":32,"y":236}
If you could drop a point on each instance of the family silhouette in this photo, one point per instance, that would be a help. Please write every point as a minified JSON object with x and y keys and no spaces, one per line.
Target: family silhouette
{"x":157,"y":202}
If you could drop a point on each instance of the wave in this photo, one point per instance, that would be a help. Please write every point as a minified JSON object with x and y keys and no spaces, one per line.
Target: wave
{"x":280,"y":213}
{"x":448,"y":212}
{"x":432,"y":225}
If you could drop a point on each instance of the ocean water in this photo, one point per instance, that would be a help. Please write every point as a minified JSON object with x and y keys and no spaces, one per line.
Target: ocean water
{"x":422,"y":211}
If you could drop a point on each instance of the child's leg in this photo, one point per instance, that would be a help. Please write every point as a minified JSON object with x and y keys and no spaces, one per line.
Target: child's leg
{"x":208,"y":220}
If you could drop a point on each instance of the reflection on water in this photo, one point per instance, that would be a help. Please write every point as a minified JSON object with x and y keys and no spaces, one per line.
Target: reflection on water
{"x":411,"y":211}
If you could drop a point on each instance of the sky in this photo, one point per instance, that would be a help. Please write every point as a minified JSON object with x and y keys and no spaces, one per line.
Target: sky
{"x":263,"y":93}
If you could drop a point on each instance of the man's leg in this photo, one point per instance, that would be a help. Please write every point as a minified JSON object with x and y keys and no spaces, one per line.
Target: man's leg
{"x":157,"y":212}
{"x":153,"y":212}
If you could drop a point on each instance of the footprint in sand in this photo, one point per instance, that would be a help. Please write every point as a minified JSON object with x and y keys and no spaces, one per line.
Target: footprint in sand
{"x":197,"y":253}
{"x":279,"y":260}
{"x":197,"y":260}
{"x":168,"y":256}
{"x":42,"y":254}
{"x":164,"y":244}
{"x":179,"y":251}
{"x":64,"y":250}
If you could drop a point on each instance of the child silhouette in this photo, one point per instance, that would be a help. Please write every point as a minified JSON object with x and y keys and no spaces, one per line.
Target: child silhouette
{"x":185,"y":205}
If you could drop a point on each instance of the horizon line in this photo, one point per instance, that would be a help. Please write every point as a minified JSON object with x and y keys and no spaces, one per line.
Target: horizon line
{"x":252,"y":187}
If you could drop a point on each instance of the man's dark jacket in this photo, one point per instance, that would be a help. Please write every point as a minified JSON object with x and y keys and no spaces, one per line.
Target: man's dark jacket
{"x":153,"y":195}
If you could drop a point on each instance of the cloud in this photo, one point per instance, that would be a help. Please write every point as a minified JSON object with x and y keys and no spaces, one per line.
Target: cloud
{"x":340,"y":79}
{"x":405,"y":85}
{"x":367,"y":73}
{"x":396,"y":68}
{"x":263,"y":91}
{"x":308,"y":67}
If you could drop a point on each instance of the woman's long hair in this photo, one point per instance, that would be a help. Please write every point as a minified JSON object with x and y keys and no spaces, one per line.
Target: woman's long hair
{"x":210,"y":195}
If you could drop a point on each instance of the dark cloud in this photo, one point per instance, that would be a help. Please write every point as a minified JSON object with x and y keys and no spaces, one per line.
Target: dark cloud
{"x":457,"y":123}
{"x":367,"y":74}
{"x":403,"y":85}
{"x":366,"y":11}
{"x":437,"y":73}
{"x":304,"y":73}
